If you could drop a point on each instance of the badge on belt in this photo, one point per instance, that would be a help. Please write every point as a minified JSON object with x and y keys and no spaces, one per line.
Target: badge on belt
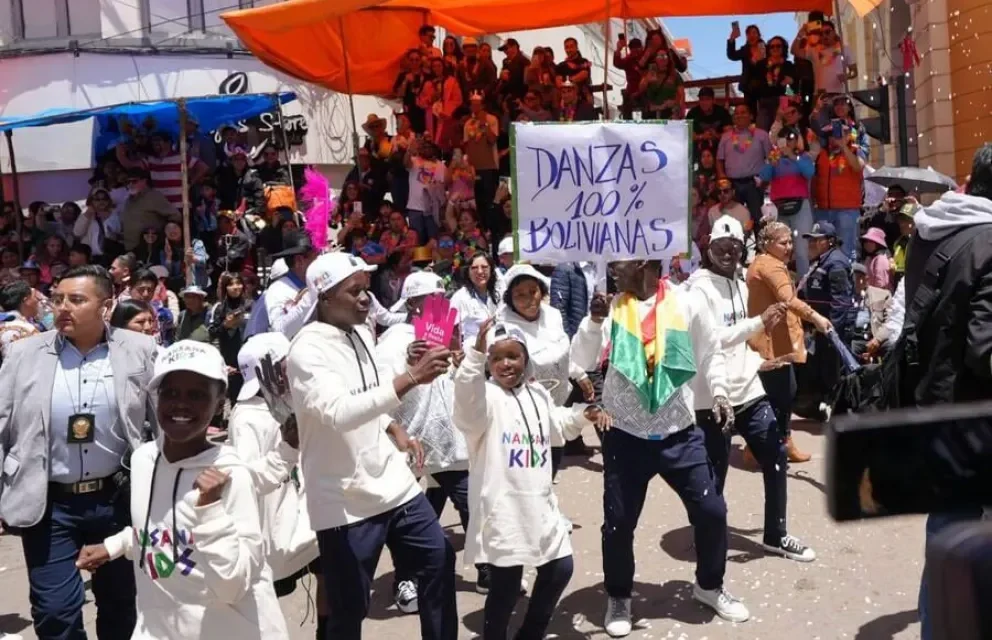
{"x":82,"y":428}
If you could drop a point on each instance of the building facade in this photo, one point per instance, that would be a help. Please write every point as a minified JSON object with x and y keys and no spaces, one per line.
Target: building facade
{"x":90,"y":53}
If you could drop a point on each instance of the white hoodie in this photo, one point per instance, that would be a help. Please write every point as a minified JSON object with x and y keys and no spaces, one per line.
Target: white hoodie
{"x":515,"y":516}
{"x":725,"y":301}
{"x":342,"y":401}
{"x":548,"y":347}
{"x":622,"y":400}
{"x":425,"y":410}
{"x":290,"y":543}
{"x":203,"y":572}
{"x":950,"y":213}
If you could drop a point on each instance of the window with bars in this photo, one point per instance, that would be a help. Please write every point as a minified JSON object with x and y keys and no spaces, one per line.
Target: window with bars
{"x":161,"y":21}
{"x":51,"y":19}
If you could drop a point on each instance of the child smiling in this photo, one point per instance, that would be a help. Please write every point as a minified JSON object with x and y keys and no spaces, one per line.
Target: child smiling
{"x":196,"y":541}
{"x":515,"y":520}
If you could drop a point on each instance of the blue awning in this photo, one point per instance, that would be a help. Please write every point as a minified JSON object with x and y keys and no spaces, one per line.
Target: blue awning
{"x":210,"y":112}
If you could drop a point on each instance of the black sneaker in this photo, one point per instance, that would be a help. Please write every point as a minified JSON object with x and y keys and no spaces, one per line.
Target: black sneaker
{"x":483,"y":581}
{"x":792,"y":548}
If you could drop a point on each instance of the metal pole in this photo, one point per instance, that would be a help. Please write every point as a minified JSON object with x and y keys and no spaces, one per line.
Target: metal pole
{"x":351,"y":98}
{"x":181,"y":104}
{"x":901,"y":120}
{"x":606,"y":64}
{"x":838,"y":20}
{"x":285,"y":141}
{"x":17,"y":192}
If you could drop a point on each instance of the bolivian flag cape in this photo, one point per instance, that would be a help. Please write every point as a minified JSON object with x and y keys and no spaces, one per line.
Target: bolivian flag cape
{"x":654,"y":354}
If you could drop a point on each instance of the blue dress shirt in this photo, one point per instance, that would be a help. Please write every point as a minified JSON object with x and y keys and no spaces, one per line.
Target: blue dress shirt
{"x":84,"y":384}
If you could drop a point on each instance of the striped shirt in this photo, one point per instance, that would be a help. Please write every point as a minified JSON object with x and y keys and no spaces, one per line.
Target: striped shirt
{"x":167,"y":176}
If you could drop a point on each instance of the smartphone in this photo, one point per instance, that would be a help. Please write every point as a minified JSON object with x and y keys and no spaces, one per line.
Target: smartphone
{"x":814,"y":26}
{"x":735,"y":25}
{"x":622,"y":36}
{"x":916,"y":460}
{"x":838,"y":128}
{"x":357,"y":207}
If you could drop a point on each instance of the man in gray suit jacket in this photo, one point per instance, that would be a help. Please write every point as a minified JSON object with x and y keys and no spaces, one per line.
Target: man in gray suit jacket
{"x":74,"y":403}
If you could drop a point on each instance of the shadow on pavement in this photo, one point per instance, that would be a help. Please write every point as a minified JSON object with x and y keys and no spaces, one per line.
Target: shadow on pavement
{"x":812,"y":427}
{"x":887,"y":626}
{"x":678,"y":544}
{"x":803,"y":476}
{"x":13,"y":623}
{"x":586,"y":607}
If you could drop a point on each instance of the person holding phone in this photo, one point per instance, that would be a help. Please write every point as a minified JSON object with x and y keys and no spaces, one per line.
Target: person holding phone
{"x":833,"y":63}
{"x":627,"y":57}
{"x":227,"y":327}
{"x":776,"y":79}
{"x":839,"y":179}
{"x":749,"y":55}
{"x":360,"y":490}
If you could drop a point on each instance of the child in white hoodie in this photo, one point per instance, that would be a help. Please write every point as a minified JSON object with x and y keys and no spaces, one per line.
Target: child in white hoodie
{"x":718,"y":290}
{"x":256,"y":435}
{"x":196,"y":543}
{"x":515,"y":517}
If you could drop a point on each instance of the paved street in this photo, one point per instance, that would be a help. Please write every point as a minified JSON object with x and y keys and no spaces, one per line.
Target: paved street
{"x":862,"y":586}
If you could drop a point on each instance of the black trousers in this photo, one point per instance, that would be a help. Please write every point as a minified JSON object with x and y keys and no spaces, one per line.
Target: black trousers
{"x":552,"y":578}
{"x":757,"y":424}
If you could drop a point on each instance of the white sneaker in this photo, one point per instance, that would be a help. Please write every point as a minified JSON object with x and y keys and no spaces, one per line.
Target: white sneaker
{"x":617,"y":622}
{"x":792,"y":548}
{"x":406,"y":596}
{"x":11,"y":636}
{"x":726,"y":606}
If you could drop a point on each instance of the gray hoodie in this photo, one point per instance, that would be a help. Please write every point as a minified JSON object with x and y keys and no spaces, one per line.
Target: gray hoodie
{"x":950,"y":213}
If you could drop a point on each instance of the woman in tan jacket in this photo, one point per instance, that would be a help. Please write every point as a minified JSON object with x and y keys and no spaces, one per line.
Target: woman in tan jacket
{"x":768,"y":283}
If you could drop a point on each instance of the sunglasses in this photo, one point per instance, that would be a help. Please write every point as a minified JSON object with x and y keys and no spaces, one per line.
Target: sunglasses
{"x":446,"y":244}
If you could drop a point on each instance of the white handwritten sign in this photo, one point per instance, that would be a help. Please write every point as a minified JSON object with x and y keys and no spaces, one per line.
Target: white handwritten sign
{"x":601,"y":191}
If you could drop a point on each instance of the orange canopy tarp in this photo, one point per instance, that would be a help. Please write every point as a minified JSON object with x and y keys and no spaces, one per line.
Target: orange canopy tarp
{"x":303,"y":38}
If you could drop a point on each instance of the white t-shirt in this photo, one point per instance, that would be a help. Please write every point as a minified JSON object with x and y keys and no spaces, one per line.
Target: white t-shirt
{"x":424,"y":176}
{"x":830,"y":66}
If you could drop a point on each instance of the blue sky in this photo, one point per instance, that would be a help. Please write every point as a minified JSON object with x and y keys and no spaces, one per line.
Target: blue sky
{"x":709,"y":39}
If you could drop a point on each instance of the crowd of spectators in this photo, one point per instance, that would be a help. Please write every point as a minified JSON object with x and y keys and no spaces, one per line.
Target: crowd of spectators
{"x":430,"y":188}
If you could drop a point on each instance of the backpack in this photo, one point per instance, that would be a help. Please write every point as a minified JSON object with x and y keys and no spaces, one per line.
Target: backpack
{"x":279,"y":195}
{"x":892,"y":384}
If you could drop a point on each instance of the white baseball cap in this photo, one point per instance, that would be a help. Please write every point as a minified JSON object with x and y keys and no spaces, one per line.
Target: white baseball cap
{"x":505,"y":245}
{"x":193,"y":290}
{"x":418,"y":283}
{"x":327,"y":271}
{"x":727,"y":227}
{"x":251,"y":355}
{"x":159,"y":271}
{"x":278,"y":269}
{"x":192,"y":356}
